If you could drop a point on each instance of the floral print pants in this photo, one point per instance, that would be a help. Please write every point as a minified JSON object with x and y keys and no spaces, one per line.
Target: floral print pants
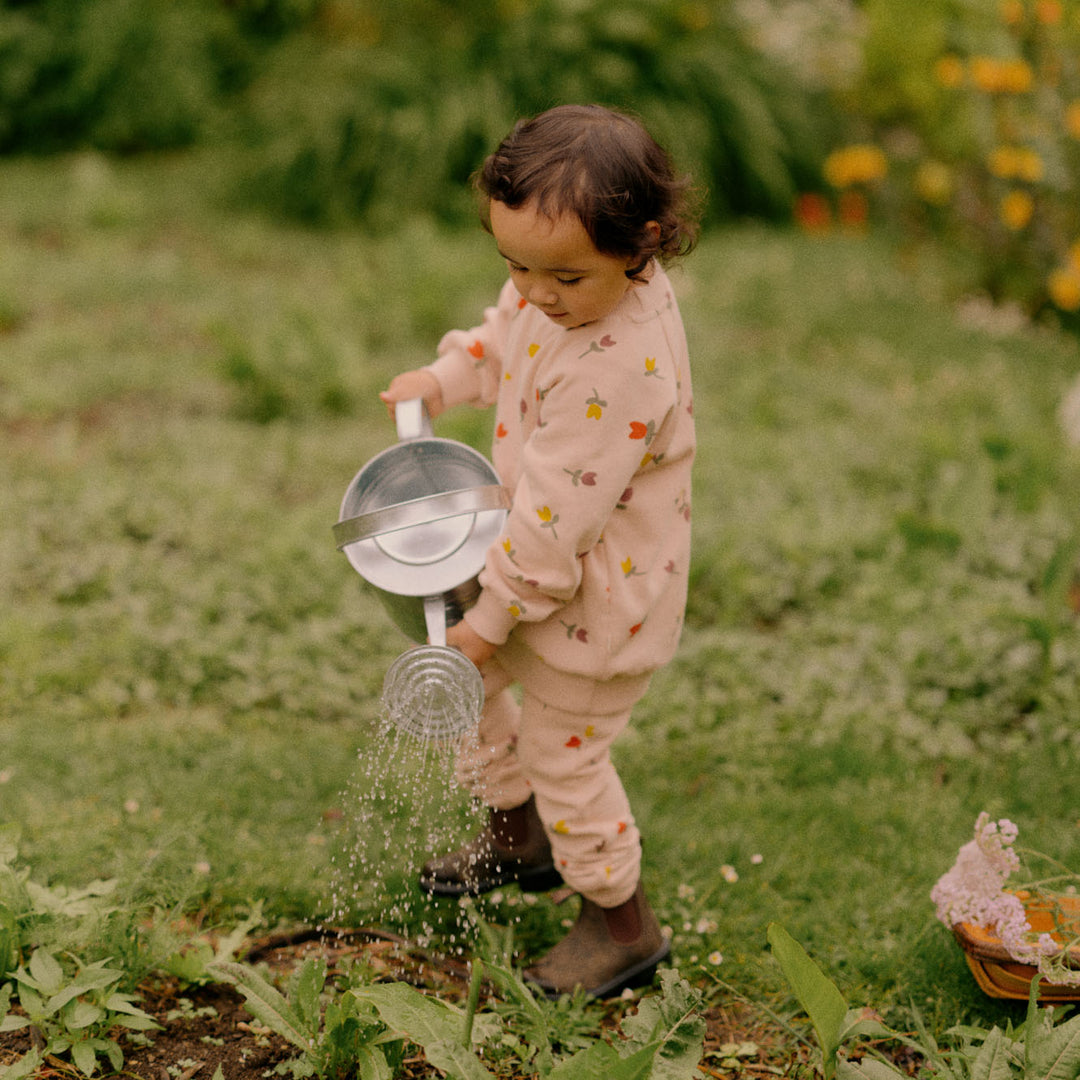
{"x":562,"y":756}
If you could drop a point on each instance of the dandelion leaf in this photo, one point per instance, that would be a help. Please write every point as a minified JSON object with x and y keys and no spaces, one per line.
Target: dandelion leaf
{"x":867,"y":1069}
{"x":264,"y":1002}
{"x":817,"y":994}
{"x":669,"y":1028}
{"x":1055,"y":1053}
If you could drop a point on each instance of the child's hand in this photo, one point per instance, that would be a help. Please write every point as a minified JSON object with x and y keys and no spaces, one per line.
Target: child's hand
{"x":462,"y":636}
{"x":414,"y":384}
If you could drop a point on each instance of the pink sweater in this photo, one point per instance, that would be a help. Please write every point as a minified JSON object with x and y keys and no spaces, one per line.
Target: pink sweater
{"x":594,"y":435}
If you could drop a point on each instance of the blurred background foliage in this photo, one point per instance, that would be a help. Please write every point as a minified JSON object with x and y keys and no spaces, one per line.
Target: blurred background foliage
{"x":946,"y":120}
{"x":371,"y":109}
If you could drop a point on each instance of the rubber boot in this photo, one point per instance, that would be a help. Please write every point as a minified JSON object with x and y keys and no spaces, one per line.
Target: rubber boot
{"x":512,"y":847}
{"x":606,"y":951}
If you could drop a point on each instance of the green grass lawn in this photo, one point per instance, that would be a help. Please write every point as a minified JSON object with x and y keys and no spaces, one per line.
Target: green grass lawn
{"x":879,"y":640}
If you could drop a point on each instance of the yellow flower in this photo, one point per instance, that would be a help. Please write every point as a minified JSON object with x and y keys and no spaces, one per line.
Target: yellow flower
{"x":1017,"y":76}
{"x":934,"y":182}
{"x":507,"y":546}
{"x":1049,"y":12}
{"x":1063,"y":286}
{"x":1012,"y":12}
{"x":1016,"y":163}
{"x":544,"y":513}
{"x":627,"y":566}
{"x":949,"y":71}
{"x":1072,"y":119}
{"x":994,"y":76}
{"x":860,"y":163}
{"x":515,"y":610}
{"x":561,"y":827}
{"x":594,"y":412}
{"x":1016,"y":210}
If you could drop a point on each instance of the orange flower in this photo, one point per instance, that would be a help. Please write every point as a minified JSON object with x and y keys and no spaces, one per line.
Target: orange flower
{"x":1012,"y":12}
{"x":853,"y":210}
{"x":1072,"y":119}
{"x":1049,"y":12}
{"x":812,"y":212}
{"x":1016,"y":210}
{"x":1063,"y":286}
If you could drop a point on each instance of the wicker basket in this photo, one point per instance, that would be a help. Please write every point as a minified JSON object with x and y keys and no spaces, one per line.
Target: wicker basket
{"x":998,"y":974}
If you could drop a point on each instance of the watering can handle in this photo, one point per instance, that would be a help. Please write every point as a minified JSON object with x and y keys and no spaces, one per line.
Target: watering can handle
{"x":435,"y":619}
{"x":412,"y":420}
{"x":423,"y":511}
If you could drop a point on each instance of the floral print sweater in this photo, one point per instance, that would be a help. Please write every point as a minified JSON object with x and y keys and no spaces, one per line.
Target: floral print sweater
{"x":594,"y":435}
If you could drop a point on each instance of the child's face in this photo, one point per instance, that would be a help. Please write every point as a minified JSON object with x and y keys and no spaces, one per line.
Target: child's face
{"x":555,"y":265}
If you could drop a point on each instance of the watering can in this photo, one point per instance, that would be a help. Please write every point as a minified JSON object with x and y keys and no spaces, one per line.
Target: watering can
{"x":416,"y":522}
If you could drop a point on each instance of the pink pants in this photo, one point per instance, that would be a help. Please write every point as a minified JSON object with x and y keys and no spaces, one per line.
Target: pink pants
{"x":560,"y":755}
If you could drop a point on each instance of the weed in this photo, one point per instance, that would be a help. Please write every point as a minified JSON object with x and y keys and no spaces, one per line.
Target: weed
{"x":72,"y":1013}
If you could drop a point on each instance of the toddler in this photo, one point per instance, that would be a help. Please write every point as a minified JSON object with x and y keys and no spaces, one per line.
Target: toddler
{"x":585,"y":360}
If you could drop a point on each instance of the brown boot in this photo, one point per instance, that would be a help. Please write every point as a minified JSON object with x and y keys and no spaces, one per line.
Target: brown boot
{"x":606,"y":951}
{"x":512,"y":847}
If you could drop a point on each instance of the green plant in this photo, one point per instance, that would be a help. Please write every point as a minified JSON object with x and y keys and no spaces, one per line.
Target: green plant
{"x":402,"y":120}
{"x":191,"y":963}
{"x":73,"y":1013}
{"x":348,"y":1036}
{"x":1045,"y":1047}
{"x":364,"y":1028}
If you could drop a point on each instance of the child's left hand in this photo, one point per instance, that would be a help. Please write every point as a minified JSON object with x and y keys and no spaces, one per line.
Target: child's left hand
{"x":462,"y":636}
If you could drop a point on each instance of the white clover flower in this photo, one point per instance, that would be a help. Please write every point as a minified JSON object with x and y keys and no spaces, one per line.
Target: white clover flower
{"x":716,"y":958}
{"x":729,"y":873}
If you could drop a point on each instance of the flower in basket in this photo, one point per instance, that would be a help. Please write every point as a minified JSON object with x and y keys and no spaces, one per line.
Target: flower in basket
{"x":1035,"y":924}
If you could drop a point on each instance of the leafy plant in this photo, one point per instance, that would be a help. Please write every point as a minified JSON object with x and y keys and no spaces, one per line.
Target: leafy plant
{"x":349,"y":1037}
{"x":73,"y":1013}
{"x":365,"y":1028}
{"x":191,"y":964}
{"x":833,"y":1022}
{"x":1039,"y":1049}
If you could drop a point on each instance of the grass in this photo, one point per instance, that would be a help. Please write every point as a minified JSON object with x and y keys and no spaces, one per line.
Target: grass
{"x":878,"y":643}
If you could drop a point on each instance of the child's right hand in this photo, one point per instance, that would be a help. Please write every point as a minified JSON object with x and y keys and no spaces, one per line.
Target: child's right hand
{"x":414,"y":384}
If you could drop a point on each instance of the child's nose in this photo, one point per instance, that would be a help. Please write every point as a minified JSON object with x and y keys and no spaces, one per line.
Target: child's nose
{"x":542,"y":295}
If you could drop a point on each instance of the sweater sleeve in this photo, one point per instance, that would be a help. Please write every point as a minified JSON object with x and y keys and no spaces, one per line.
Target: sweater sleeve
{"x":599,"y":416}
{"x":469,"y":362}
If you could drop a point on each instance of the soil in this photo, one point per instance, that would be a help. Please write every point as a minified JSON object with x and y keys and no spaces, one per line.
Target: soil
{"x":207,"y":1027}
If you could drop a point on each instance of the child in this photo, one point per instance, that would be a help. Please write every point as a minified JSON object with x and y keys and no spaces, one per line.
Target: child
{"x":585,"y":360}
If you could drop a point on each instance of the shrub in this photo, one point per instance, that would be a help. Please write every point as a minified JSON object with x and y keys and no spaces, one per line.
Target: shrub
{"x":118,"y":75}
{"x":977,"y":110}
{"x":382,"y":114}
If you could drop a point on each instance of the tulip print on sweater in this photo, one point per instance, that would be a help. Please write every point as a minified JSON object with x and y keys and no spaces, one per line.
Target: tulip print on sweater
{"x":594,"y":435}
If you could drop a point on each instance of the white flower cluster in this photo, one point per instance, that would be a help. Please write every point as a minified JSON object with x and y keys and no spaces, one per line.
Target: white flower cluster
{"x":973,"y":891}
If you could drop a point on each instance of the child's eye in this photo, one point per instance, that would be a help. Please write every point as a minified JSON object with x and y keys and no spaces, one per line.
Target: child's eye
{"x":568,"y":281}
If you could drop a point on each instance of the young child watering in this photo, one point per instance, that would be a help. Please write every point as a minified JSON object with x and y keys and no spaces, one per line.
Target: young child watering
{"x":582,"y":599}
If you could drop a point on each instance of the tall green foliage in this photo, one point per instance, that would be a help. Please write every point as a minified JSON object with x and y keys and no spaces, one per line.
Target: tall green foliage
{"x":119,"y":75}
{"x":395,"y":111}
{"x":365,"y":109}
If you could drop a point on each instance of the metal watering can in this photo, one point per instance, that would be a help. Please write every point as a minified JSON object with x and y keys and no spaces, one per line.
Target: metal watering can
{"x":416,"y":522}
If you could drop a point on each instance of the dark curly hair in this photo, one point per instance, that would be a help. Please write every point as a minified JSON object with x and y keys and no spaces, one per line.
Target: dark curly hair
{"x":607,"y":170}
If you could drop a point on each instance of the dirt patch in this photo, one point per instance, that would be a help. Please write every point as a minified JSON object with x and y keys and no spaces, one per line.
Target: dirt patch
{"x":207,"y":1027}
